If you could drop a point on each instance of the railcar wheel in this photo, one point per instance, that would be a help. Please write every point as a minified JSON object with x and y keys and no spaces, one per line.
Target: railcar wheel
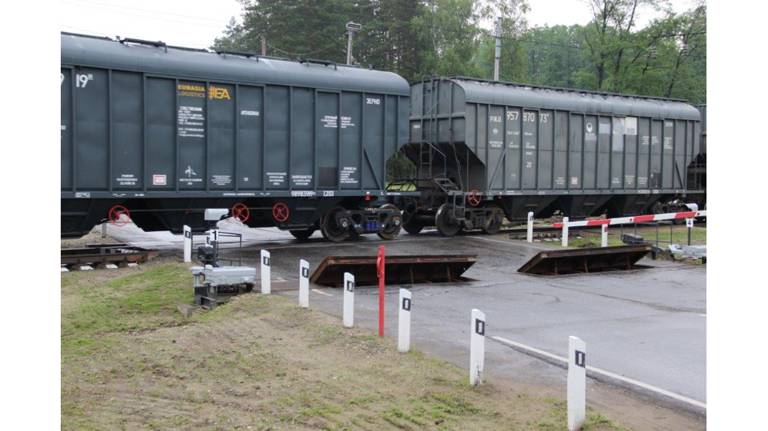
{"x":333,"y":231}
{"x":445,"y":221}
{"x":302,"y":234}
{"x":493,"y":223}
{"x":391,"y":229}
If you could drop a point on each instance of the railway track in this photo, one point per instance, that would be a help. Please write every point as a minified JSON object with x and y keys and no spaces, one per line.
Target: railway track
{"x":541,"y":232}
{"x":111,"y":256}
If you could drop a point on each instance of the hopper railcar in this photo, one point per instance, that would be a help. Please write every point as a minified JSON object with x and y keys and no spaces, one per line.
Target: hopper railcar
{"x":486,"y":150}
{"x":161,"y":133}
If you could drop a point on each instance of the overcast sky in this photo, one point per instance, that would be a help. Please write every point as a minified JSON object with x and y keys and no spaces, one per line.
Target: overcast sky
{"x":196,"y":23}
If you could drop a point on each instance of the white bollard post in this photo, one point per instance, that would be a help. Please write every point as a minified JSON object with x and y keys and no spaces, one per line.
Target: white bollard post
{"x":577,"y":383}
{"x":266,"y":272}
{"x":529,"y":236}
{"x":404,"y":322}
{"x":349,"y":300}
{"x":604,"y":235}
{"x":565,"y":232}
{"x":303,"y":283}
{"x":187,"y":244}
{"x":476,"y":347}
{"x":689,"y":225}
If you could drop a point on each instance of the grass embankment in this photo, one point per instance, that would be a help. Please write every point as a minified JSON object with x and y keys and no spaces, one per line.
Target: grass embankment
{"x":679,"y":235}
{"x":131,"y":360}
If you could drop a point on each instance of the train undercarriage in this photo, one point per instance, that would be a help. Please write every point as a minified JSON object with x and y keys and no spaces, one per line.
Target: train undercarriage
{"x":453,"y":213}
{"x":337,"y":219}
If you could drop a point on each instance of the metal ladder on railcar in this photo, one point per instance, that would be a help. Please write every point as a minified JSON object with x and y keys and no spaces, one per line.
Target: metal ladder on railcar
{"x":454,"y":191}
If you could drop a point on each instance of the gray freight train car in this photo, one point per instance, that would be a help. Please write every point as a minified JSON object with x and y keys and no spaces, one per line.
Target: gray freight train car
{"x":163,"y":132}
{"x":697,"y":172}
{"x":484,"y":150}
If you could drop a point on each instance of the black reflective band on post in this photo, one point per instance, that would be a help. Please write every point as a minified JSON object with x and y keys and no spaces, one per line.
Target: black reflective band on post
{"x":265,"y":259}
{"x":305,"y":272}
{"x":350,"y":286}
{"x":581,"y":358}
{"x":406,"y":304}
{"x":187,"y":234}
{"x":479,"y":327}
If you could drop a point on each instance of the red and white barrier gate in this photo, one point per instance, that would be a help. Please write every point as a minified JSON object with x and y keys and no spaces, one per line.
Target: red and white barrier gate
{"x":635,"y":219}
{"x":565,"y":224}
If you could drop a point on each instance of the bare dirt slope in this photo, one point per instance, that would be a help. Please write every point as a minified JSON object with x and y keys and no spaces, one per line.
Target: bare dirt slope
{"x":131,"y":361}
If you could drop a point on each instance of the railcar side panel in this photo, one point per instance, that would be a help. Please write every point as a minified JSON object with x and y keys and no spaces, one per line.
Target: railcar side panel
{"x":66,"y":128}
{"x":126,"y":134}
{"x":301,"y":151}
{"x":643,"y":152}
{"x":604,"y":153}
{"x":656,"y":158}
{"x":512,"y":140}
{"x":327,"y":140}
{"x":221,"y":139}
{"x":545,"y":146}
{"x":590,"y":152}
{"x":575,"y":152}
{"x":92,"y":138}
{"x":530,"y":148}
{"x":561,"y":150}
{"x":250,"y":146}
{"x":351,"y":154}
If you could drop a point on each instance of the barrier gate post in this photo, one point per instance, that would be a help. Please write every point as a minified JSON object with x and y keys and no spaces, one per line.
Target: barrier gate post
{"x":266,"y":273}
{"x":476,"y":347}
{"x":187,"y":244}
{"x":565,"y":232}
{"x":404,"y":322}
{"x":577,"y":383}
{"x":529,"y":232}
{"x":604,"y":235}
{"x":303,"y":283}
{"x":349,"y":300}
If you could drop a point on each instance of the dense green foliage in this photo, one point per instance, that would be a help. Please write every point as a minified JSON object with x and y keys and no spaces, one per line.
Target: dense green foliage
{"x":414,"y":38}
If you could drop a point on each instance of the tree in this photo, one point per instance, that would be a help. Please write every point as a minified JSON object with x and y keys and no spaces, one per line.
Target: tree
{"x":608,"y":36}
{"x":292,"y":28}
{"x":450,"y":30}
{"x":554,"y":56}
{"x":420,"y":38}
{"x":513,"y":26}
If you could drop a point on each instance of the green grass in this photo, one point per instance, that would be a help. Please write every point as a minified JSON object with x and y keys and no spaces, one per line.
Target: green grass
{"x":129,"y":303}
{"x":558,"y":416}
{"x":311,"y":373}
{"x":679,"y":236}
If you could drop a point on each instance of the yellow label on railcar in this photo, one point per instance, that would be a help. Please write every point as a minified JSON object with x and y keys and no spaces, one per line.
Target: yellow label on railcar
{"x":219,"y":93}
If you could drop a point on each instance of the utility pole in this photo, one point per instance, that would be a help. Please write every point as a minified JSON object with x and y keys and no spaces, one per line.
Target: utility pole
{"x":263,"y":45}
{"x":497,"y":58}
{"x":352,"y":28}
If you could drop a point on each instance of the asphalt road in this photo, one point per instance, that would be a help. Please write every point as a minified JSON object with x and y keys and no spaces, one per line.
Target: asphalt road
{"x":649,"y":324}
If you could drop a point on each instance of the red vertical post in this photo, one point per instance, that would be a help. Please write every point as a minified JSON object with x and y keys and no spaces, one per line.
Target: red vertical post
{"x":380,"y":265}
